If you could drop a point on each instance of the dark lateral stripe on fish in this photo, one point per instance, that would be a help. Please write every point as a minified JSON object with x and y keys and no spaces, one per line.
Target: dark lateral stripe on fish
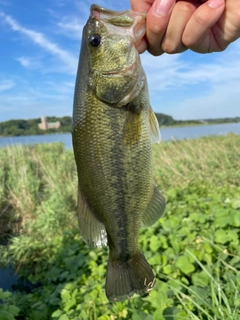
{"x":118,"y":171}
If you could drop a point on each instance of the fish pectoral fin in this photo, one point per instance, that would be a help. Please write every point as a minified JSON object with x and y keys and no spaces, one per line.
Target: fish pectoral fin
{"x":91,"y":229}
{"x":132,"y":129}
{"x":155,"y":208}
{"x":154,"y":127}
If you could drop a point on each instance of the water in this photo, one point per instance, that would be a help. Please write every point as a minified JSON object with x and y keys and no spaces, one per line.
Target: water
{"x":8,"y":278}
{"x":48,"y":138}
{"x":181,"y":133}
{"x":166,"y":133}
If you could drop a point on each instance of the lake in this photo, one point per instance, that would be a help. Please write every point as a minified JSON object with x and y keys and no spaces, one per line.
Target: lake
{"x":169,"y":133}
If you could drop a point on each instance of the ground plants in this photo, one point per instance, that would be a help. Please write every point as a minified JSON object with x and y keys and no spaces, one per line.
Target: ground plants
{"x":8,"y":311}
{"x":194,"y":248}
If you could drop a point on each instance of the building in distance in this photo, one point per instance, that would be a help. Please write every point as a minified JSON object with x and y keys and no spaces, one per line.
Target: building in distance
{"x":44,"y":125}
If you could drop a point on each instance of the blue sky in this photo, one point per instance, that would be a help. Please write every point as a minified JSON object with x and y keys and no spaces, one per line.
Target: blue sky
{"x":40,"y":43}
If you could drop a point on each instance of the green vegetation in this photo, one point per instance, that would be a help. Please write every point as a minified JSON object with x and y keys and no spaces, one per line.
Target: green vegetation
{"x":7,"y":311}
{"x":165,"y":120}
{"x":30,"y":127}
{"x":194,"y":249}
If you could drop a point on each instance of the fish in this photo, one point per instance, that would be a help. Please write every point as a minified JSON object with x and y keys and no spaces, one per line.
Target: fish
{"x":113,"y":130}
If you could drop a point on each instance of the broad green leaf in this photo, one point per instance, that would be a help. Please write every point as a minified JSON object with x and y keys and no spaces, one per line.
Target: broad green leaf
{"x":155,"y":259}
{"x":14,"y":310}
{"x":222,"y":218}
{"x":200,"y":279}
{"x":104,"y":318}
{"x":4,"y":315}
{"x":167,"y":269}
{"x":154,"y":243}
{"x":56,"y":313}
{"x":65,"y":295}
{"x":232,"y":235}
{"x":64,"y":317}
{"x":235,"y":218}
{"x":158,"y":315}
{"x":69,"y":304}
{"x":236,"y":204}
{"x":4,"y":294}
{"x":184,"y":265}
{"x":221,"y":236}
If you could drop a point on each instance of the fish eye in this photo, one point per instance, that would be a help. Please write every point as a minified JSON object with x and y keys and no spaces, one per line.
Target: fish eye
{"x":94,"y":40}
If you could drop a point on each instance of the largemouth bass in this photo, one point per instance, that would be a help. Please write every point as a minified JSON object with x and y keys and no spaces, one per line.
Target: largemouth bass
{"x":113,"y":125}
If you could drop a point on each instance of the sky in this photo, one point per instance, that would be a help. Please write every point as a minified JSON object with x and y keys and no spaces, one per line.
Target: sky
{"x":40,"y":43}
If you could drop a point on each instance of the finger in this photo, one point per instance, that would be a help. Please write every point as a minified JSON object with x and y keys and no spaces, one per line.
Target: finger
{"x":141,"y":6}
{"x":230,"y":23}
{"x":142,"y":47}
{"x":181,"y":13}
{"x":198,"y":35}
{"x":157,"y":21}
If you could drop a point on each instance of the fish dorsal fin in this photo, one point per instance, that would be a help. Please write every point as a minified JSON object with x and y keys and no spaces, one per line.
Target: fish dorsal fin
{"x":155,"y":208}
{"x":91,"y":229}
{"x":154,"y":127}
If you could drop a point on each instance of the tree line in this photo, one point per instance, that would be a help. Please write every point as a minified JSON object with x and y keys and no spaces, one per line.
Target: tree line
{"x":30,"y":127}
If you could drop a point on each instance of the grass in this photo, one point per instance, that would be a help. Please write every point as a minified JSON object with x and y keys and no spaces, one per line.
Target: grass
{"x":194,"y":248}
{"x":35,"y":181}
{"x":212,"y":159}
{"x":217,"y":305}
{"x":32,"y":176}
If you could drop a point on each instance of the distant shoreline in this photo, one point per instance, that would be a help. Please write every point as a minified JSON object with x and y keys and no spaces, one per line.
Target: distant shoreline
{"x":45,"y":133}
{"x":198,"y":124}
{"x":162,"y":127}
{"x":32,"y":127}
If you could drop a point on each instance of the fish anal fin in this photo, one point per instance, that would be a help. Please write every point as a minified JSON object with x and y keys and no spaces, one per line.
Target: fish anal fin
{"x":154,"y":127}
{"x":91,"y":229}
{"x":155,"y":208}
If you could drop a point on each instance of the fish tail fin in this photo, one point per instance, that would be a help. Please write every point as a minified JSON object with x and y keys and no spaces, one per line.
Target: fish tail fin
{"x":124,"y":278}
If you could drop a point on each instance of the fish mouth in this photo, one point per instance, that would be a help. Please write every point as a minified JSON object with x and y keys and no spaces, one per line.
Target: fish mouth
{"x":101,"y":12}
{"x":124,"y":70}
{"x":119,"y":72}
{"x":133,"y":23}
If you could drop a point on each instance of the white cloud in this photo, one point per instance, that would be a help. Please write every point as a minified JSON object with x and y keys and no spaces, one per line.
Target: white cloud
{"x":71,"y":27}
{"x":222,"y":101}
{"x":6,"y":85}
{"x":195,"y":87}
{"x":170,"y":71}
{"x":61,"y":88}
{"x":25,"y":62}
{"x":38,"y":38}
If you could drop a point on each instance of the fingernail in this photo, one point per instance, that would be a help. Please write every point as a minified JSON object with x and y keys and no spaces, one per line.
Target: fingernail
{"x":214,"y":4}
{"x":163,"y":7}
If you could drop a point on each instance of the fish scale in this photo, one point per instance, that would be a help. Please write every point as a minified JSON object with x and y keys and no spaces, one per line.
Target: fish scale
{"x":113,"y":125}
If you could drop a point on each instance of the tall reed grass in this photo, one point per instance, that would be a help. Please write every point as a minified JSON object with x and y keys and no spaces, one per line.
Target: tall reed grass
{"x":214,"y":159}
{"x":40,"y":182}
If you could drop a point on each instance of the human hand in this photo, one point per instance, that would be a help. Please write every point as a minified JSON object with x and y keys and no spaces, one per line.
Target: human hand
{"x":174,"y":26}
